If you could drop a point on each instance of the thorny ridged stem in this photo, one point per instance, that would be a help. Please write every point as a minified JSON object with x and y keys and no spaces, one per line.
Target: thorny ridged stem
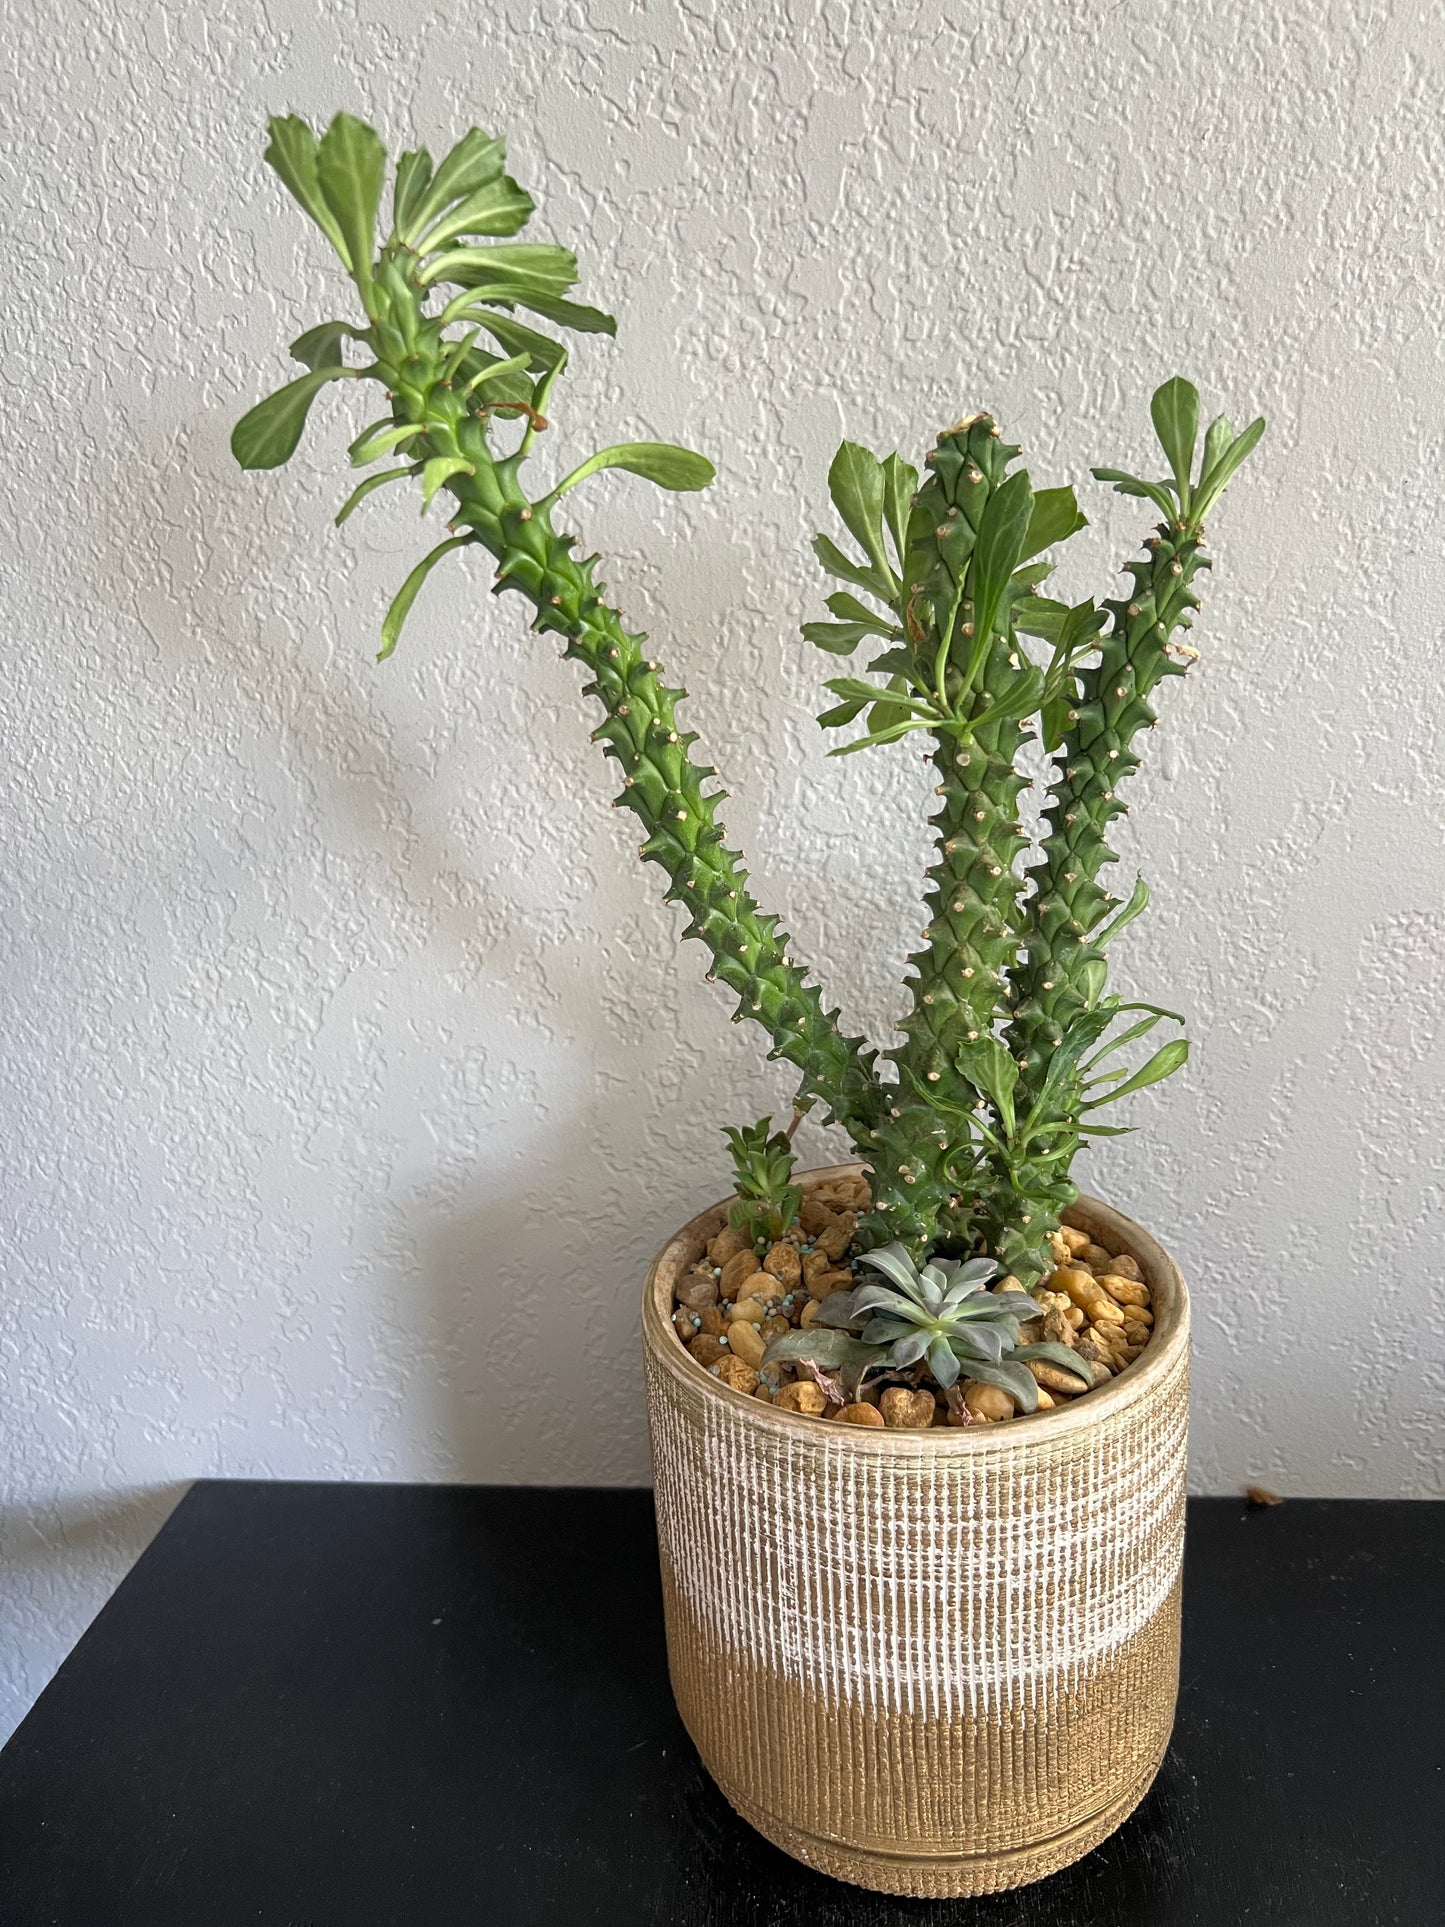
{"x":925,"y":1143}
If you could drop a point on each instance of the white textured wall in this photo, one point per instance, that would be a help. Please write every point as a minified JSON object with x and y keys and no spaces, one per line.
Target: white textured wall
{"x":349,"y":1071}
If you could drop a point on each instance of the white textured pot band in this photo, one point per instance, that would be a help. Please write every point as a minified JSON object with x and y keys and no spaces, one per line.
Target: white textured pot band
{"x":938,"y":1586}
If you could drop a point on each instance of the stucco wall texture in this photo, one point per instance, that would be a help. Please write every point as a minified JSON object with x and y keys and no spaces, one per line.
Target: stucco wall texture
{"x":350,"y":1069}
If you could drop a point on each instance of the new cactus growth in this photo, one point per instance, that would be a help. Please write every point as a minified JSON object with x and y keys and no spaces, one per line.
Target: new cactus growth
{"x":767,"y":1199}
{"x":969,"y":1124}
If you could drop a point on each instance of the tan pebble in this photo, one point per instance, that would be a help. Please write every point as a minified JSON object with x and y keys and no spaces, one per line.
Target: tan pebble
{"x":1006,"y":1283}
{"x":804,"y":1397}
{"x":1054,"y":1377}
{"x":707,"y":1350}
{"x":1127,"y":1291}
{"x":860,"y":1414}
{"x":905,"y":1410}
{"x":738,"y":1373}
{"x":941,"y":1415}
{"x":1126,"y":1265}
{"x":1135,"y":1333}
{"x":987,"y":1401}
{"x":684,"y":1327}
{"x":810,"y":1314}
{"x":815,"y":1263}
{"x":1059,"y":1248}
{"x":726,"y":1244}
{"x":783,"y":1263}
{"x":1075,"y":1240}
{"x":697,"y":1290}
{"x":1095,"y":1257}
{"x":764,"y":1394}
{"x":827,"y":1282}
{"x":747,"y":1342}
{"x":815,"y":1216}
{"x":835,"y":1240}
{"x":762,"y":1286}
{"x":1099,"y":1354}
{"x":1057,"y":1326}
{"x":1046,"y":1400}
{"x":774,"y":1327}
{"x":742,"y":1264}
{"x":750,"y":1311}
{"x":1130,"y":1353}
{"x":1083,"y":1287}
{"x":1074,"y":1317}
{"x":714,"y":1321}
{"x":1142,"y":1313}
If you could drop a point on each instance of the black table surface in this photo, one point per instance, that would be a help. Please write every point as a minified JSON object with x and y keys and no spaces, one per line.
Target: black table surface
{"x":414,"y":1706}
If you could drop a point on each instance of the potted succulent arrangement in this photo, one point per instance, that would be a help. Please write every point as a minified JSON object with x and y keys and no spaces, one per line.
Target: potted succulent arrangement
{"x":919,"y":1419}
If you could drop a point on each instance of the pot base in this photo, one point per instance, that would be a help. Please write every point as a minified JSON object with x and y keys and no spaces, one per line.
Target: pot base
{"x":951,"y":1876}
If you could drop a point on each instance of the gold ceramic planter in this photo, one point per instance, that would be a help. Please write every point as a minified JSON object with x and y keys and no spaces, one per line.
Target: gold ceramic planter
{"x":932,"y":1663}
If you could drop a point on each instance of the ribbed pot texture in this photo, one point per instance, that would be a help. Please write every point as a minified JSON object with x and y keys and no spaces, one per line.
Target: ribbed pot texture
{"x":931,"y":1663}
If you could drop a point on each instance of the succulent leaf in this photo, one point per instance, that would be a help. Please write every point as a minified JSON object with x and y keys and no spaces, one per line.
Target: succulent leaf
{"x":267,"y":435}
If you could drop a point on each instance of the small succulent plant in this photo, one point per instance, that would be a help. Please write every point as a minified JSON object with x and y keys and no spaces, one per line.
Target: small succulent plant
{"x":941,"y":1314}
{"x":767,"y":1200}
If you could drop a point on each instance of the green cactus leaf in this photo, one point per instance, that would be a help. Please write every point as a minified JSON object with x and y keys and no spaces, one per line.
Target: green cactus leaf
{"x":359,"y":494}
{"x":855,"y":482}
{"x":838,"y":638}
{"x":498,"y":207}
{"x":475,"y":161}
{"x":1212,"y":485}
{"x":506,"y":378}
{"x":678,"y":469}
{"x":320,"y":347}
{"x":292,"y":155}
{"x":1165,"y":1061}
{"x":1217,"y":437}
{"x":996,"y":551}
{"x":841,"y":715}
{"x":536,"y":265}
{"x":849,"y":609}
{"x":1141,"y":1029}
{"x":406,"y":595}
{"x":1056,"y":516}
{"x":990,"y":1070}
{"x":836,"y":563}
{"x":1124,"y":484}
{"x":900,"y":484}
{"x":569,"y":314}
{"x":1174,"y":411}
{"x":438,"y":472}
{"x":850,"y":688}
{"x":350,"y":167}
{"x":1138,"y":903}
{"x":381,"y":439}
{"x":266,"y":435}
{"x":543,"y":354}
{"x":413,"y":177}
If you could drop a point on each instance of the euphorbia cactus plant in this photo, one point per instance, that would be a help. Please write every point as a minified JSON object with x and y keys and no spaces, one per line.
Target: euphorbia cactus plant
{"x":971,"y":1123}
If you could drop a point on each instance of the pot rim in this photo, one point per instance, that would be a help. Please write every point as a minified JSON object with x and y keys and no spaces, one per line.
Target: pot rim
{"x":1137,"y":1381}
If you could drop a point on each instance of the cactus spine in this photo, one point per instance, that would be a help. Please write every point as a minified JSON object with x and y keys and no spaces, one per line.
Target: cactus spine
{"x":971,"y":1138}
